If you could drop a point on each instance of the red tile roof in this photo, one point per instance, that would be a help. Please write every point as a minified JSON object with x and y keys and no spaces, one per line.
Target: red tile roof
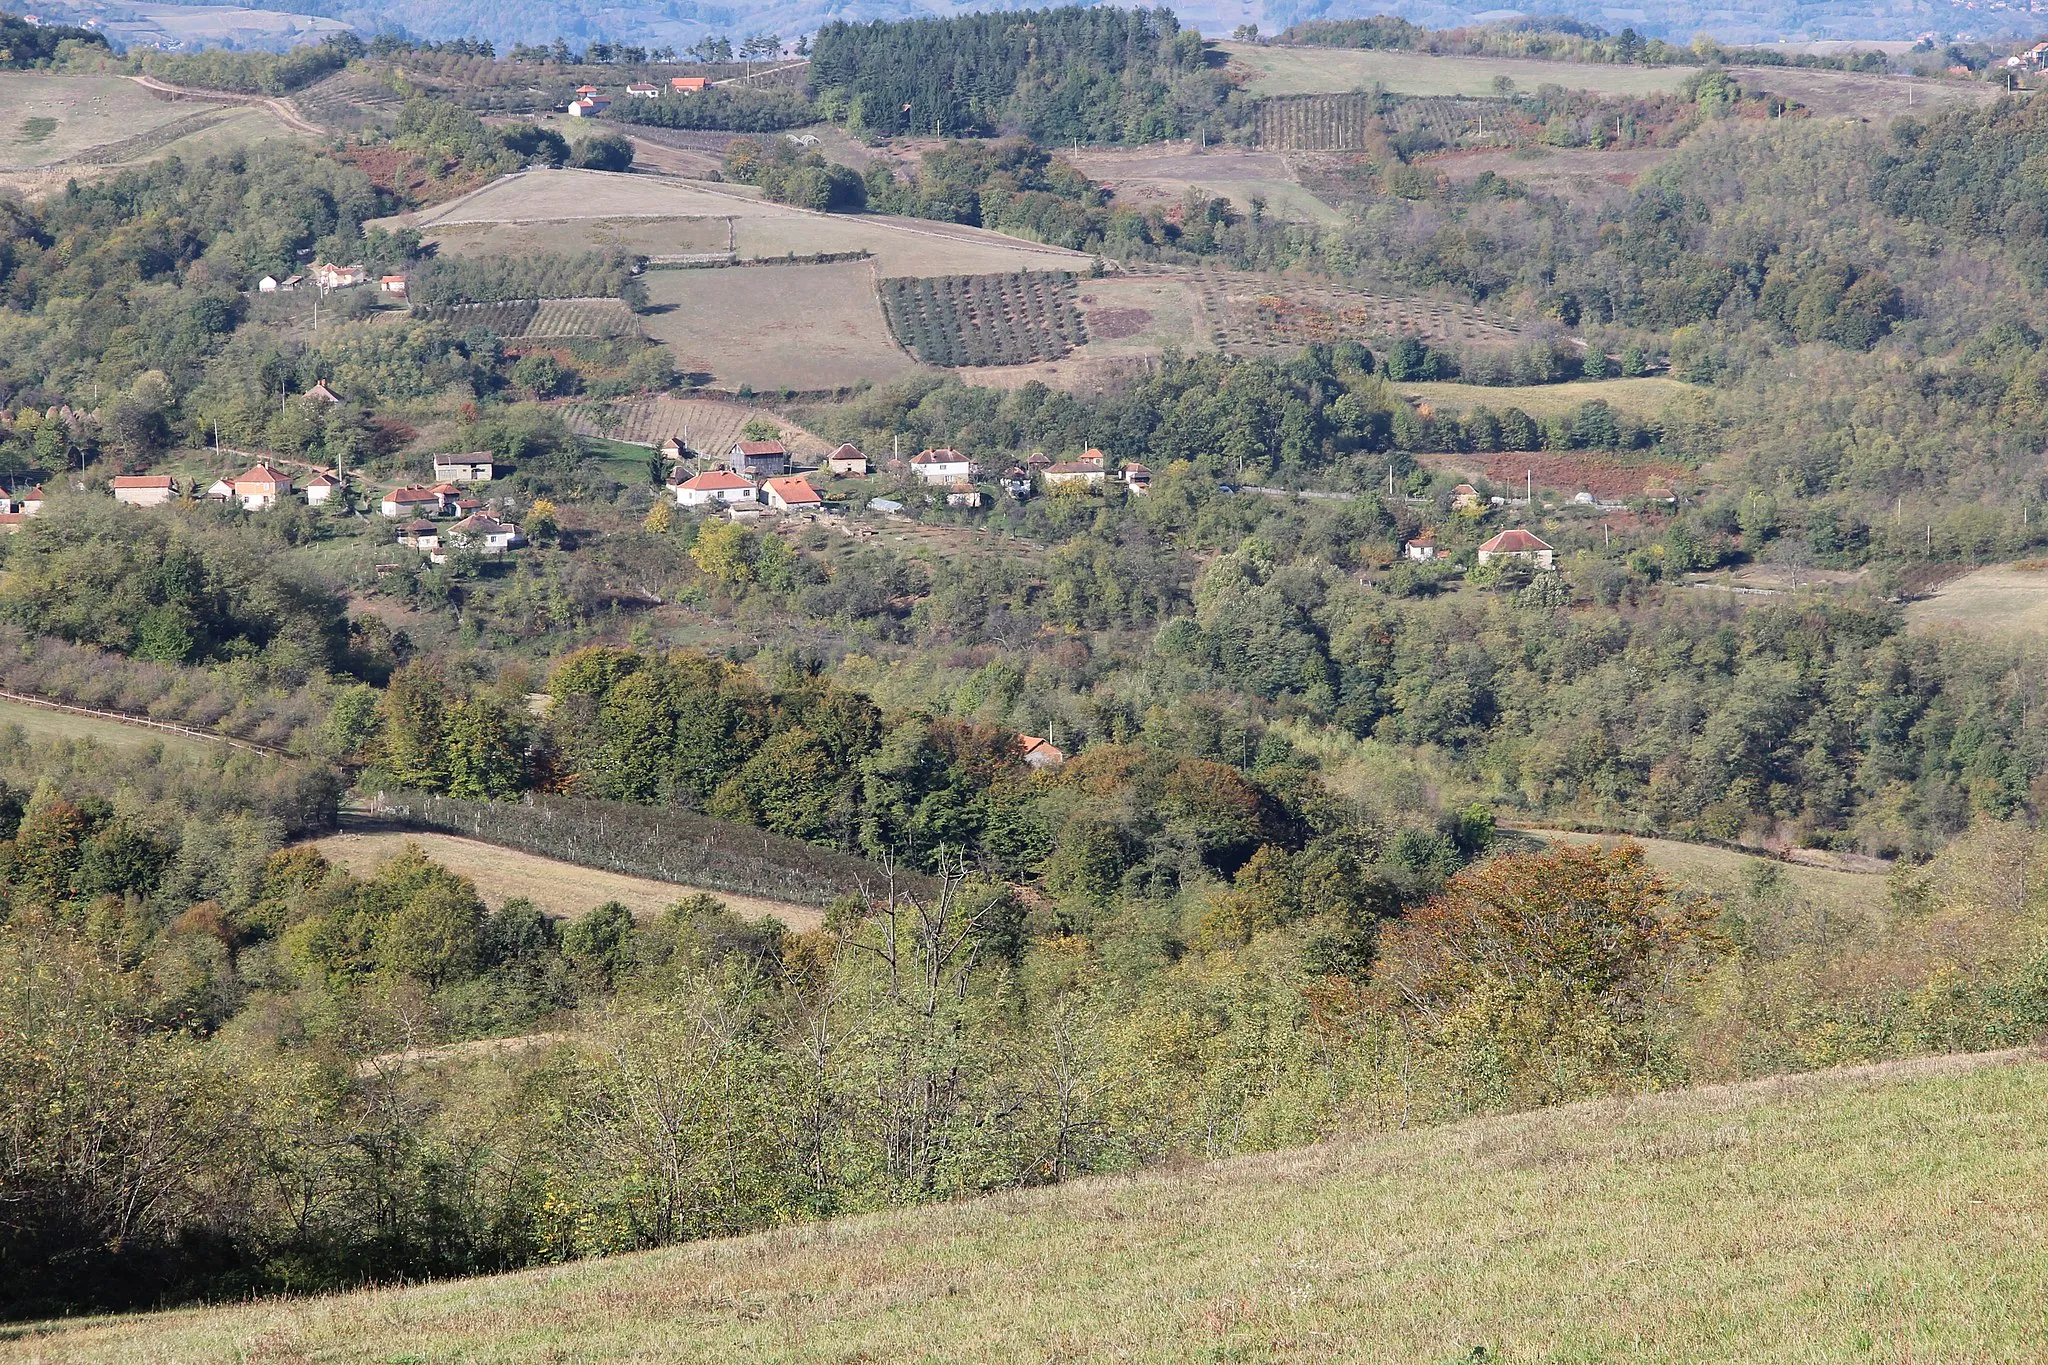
{"x":795,"y":490}
{"x":762,"y":448}
{"x":715,"y":480}
{"x":405,"y":495}
{"x":264,"y":475}
{"x":1517,"y":541}
{"x":943,"y":455}
{"x":144,"y":481}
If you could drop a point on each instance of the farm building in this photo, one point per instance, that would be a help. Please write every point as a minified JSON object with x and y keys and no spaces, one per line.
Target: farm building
{"x":221,"y":489}
{"x":1422,"y":549}
{"x":886,"y":506}
{"x":320,"y":488}
{"x":847,"y":460}
{"x":391,"y":284}
{"x":474,"y":467}
{"x":1518,"y":544}
{"x":1038,"y":752}
{"x":1137,"y":478}
{"x":963,"y":495}
{"x":714,"y":486}
{"x":267,"y":285}
{"x":687,"y":85}
{"x":1075,"y":474}
{"x":642,"y":91}
{"x":585,"y":91}
{"x":746,"y":511}
{"x":409,"y":502}
{"x":1016,"y":482}
{"x":757,"y":459}
{"x":673,"y":449}
{"x":1465,"y":498}
{"x":329,"y":276}
{"x":144,"y":490}
{"x":262,"y":486}
{"x":590,"y":106}
{"x":944,"y":466}
{"x":793,"y":494}
{"x":420,"y":535}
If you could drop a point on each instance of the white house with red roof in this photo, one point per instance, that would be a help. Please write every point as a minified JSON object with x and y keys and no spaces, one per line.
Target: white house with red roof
{"x":262,"y":486}
{"x":1038,"y":752}
{"x":320,"y":488}
{"x":792,"y":493}
{"x":640,"y":90}
{"x":411,"y":502}
{"x":847,"y":460}
{"x":1518,"y":544}
{"x":144,"y":490}
{"x":1423,"y":548}
{"x":481,"y":531}
{"x":719,"y":487}
{"x":1137,"y":478}
{"x":944,"y":465}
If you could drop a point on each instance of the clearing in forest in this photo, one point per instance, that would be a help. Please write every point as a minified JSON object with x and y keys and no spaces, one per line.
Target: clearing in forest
{"x":1644,"y":397}
{"x":2003,"y":599}
{"x":558,"y":888}
{"x":1888,"y":1212}
{"x":1857,"y":897}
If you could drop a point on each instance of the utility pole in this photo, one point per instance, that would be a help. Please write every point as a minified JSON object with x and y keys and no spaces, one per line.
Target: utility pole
{"x":1529,"y":488}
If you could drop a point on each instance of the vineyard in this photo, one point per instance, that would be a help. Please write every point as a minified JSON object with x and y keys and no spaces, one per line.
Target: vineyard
{"x":541,"y":319}
{"x":1318,"y":123}
{"x":348,"y":100}
{"x":1255,"y":313}
{"x":1011,"y":319}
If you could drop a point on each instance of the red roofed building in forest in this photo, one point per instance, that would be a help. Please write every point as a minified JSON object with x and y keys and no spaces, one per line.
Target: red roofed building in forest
{"x":1518,"y":544}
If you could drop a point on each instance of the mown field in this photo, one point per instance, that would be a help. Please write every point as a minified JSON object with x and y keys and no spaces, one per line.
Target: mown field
{"x":42,"y":723}
{"x":800,"y":327}
{"x":1886,"y":1213}
{"x":2002,"y":599}
{"x":1859,"y":896}
{"x":64,"y":123}
{"x":1329,"y":70}
{"x":1162,"y":175}
{"x":557,"y":887}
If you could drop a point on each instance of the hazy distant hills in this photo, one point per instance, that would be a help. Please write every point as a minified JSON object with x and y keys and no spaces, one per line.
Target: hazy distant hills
{"x":678,"y":23}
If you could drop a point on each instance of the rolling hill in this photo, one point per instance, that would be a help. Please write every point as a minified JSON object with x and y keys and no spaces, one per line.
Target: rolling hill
{"x":1885,"y":1213}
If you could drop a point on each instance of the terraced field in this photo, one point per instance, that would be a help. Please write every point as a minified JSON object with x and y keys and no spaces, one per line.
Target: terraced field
{"x":706,"y":425}
{"x":1256,"y":313}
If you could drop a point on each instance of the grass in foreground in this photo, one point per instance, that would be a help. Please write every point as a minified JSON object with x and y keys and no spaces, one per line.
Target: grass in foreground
{"x":1883,"y":1213}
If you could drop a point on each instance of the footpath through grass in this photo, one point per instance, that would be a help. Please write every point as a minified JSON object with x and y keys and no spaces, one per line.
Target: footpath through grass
{"x":1886,"y":1213}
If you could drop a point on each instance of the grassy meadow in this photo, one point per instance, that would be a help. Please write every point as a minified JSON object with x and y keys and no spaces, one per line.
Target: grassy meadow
{"x":2001,"y":599}
{"x":42,"y":723}
{"x":1645,"y":397}
{"x":1857,"y":896}
{"x":1334,"y":70}
{"x":557,"y":887}
{"x":1878,"y":1213}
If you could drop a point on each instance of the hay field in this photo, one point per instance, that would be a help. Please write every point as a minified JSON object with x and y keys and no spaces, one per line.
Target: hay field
{"x":2004,"y":599}
{"x":1885,"y":1213}
{"x":40,"y":723}
{"x":1331,"y":70}
{"x":558,"y":888}
{"x":573,"y":210}
{"x":1645,"y":397}
{"x":806,"y":328}
{"x":1842,"y":94}
{"x":1163,"y":173}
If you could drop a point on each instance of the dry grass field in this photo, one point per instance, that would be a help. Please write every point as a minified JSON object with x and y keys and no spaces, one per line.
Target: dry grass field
{"x":558,"y":888}
{"x":40,"y":723}
{"x":2004,"y":599}
{"x":709,"y":426}
{"x":1256,"y":313}
{"x":1161,"y":174}
{"x":51,"y":122}
{"x":1888,"y":1213}
{"x":1721,"y":872}
{"x":1332,"y":70}
{"x":800,"y":327}
{"x":588,"y":210}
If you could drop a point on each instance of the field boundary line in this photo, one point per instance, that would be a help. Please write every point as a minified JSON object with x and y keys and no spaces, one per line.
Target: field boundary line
{"x":144,"y":722}
{"x":275,"y":106}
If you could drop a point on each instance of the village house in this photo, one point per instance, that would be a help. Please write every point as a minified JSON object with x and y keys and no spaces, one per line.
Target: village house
{"x":1038,"y":752}
{"x":590,"y":106}
{"x":330,"y":276}
{"x":847,"y":460}
{"x":1518,"y":544}
{"x":221,"y":490}
{"x":144,"y":490}
{"x":320,"y":488}
{"x":639,"y":90}
{"x":474,"y":467}
{"x":267,"y":285}
{"x":688,"y":85}
{"x":673,"y":449}
{"x":420,"y":535}
{"x":793,"y":494}
{"x":714,"y":486}
{"x":410,"y":502}
{"x":1039,"y":462}
{"x":1422,"y":549}
{"x":262,"y":486}
{"x":1465,"y":498}
{"x":585,"y":91}
{"x":1137,"y":479}
{"x":1085,"y":472}
{"x":481,"y":531}
{"x":757,"y":459}
{"x":944,"y":465}
{"x":391,"y":284}
{"x":963,"y":495}
{"x":1016,"y":482}
{"x":320,"y":393}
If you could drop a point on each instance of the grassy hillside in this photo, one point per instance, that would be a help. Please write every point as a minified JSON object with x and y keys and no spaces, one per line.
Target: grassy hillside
{"x":1885,"y":1213}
